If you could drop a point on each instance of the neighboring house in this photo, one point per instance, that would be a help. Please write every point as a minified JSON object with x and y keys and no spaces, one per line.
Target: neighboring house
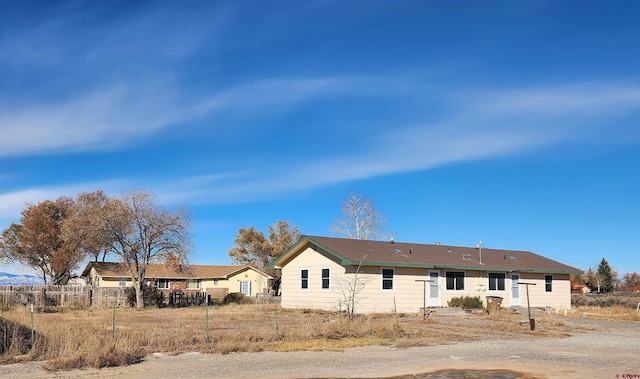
{"x":400,"y":277}
{"x":215,"y":281}
{"x":580,"y":288}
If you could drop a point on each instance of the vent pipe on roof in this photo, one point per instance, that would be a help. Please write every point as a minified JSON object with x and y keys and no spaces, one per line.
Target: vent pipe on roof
{"x":392,"y":240}
{"x":479,"y":247}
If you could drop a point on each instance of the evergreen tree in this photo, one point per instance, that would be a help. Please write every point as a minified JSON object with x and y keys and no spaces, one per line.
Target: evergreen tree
{"x":605,"y":271}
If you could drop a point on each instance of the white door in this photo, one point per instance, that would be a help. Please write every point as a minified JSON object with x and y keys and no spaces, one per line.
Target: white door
{"x":245,"y":287}
{"x":515,"y":289}
{"x":434,"y":289}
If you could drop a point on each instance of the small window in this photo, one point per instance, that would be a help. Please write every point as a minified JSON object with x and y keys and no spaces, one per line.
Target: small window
{"x":304,"y":278}
{"x":387,"y":278}
{"x":455,"y":280}
{"x":122,"y":283}
{"x":496,"y":281}
{"x":548,"y":283}
{"x":162,"y":284}
{"x":193,"y":284}
{"x":325,"y":277}
{"x":215,"y":282}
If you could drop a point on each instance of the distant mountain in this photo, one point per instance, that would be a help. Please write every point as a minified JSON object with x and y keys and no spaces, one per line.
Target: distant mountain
{"x":25,"y":280}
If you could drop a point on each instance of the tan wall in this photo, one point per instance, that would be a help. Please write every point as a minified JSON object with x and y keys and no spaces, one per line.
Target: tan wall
{"x":408,"y":294}
{"x":260,"y":282}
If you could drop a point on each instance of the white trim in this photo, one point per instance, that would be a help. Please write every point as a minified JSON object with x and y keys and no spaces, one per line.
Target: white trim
{"x":544,"y":279}
{"x":322,"y":278}
{"x":307,"y":279}
{"x":464,"y":281}
{"x":382,"y":279}
{"x":504,"y":282}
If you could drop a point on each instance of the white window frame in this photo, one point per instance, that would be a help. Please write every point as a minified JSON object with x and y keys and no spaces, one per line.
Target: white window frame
{"x":550,"y":283}
{"x":504,"y":281}
{"x":327,"y":278}
{"x":249,"y":286}
{"x":455,"y":281}
{"x":304,"y":282}
{"x":383,"y":279}
{"x":122,"y":282}
{"x":158,"y":286}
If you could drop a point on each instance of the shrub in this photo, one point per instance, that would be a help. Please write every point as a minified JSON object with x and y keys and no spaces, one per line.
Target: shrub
{"x":150,"y":295}
{"x":466,"y":302}
{"x":237,"y":298}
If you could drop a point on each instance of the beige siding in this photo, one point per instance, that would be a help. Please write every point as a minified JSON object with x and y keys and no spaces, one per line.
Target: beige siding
{"x":259,"y":282}
{"x":408,"y":293}
{"x":559,"y":297}
{"x":293,"y":296}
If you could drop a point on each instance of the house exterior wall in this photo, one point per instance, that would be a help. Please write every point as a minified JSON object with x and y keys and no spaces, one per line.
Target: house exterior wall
{"x":408,"y":293}
{"x":259,"y":286}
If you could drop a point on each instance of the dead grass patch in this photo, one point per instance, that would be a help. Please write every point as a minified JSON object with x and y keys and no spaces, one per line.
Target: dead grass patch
{"x":86,"y":338}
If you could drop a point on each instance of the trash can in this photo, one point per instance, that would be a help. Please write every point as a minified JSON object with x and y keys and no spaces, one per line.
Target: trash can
{"x":493,"y":304}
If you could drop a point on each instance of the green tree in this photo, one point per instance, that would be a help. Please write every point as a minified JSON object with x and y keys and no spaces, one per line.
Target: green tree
{"x":608,"y":276}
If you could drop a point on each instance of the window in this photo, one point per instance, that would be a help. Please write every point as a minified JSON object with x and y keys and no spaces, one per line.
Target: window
{"x":122,"y":283}
{"x":548,"y":283}
{"x":387,"y":278}
{"x":325,"y":277}
{"x":193,"y":284}
{"x":496,"y":281}
{"x":304,"y":278}
{"x":162,"y":284}
{"x":245,"y":287}
{"x":455,"y":280}
{"x":215,"y":282}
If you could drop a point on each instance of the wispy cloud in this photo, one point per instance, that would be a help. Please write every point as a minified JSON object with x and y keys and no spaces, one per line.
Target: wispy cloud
{"x":485,"y":125}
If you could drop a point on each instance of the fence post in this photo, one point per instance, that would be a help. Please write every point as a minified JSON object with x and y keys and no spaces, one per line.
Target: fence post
{"x":33,"y":331}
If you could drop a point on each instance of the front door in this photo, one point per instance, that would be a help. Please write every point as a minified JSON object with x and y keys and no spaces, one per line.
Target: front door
{"x":434,"y":289}
{"x":515,"y":289}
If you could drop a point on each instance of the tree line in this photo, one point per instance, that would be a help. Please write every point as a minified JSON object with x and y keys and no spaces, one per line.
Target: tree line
{"x":606,"y":279}
{"x":55,"y":236}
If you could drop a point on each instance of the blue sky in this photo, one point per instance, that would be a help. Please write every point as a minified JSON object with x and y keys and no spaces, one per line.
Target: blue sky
{"x":510,"y":122}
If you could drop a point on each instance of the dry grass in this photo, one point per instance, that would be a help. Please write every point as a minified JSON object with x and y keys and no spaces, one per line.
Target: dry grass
{"x":76,"y":339}
{"x":614,"y":312}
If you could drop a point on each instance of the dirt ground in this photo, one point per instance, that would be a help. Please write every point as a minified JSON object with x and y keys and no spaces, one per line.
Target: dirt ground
{"x":597,"y":349}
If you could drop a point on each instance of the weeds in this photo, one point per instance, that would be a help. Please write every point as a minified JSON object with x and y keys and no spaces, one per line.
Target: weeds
{"x":80,"y":339}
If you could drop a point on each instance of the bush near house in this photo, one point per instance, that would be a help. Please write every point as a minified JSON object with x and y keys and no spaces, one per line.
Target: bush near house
{"x":237,"y":298}
{"x":466,"y":302}
{"x":150,"y":295}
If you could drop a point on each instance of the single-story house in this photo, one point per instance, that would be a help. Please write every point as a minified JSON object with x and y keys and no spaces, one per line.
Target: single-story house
{"x":320,"y":272}
{"x":215,"y":281}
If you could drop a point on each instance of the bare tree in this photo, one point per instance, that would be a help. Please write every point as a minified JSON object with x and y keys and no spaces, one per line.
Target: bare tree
{"x":349,"y":287}
{"x":361,"y":219}
{"x":143,"y":233}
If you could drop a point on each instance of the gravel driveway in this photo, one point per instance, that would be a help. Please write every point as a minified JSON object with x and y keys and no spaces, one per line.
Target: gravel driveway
{"x":600,"y":349}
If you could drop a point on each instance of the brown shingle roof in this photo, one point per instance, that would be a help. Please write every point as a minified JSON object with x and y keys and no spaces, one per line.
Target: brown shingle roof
{"x":402,"y":254}
{"x":118,"y":270}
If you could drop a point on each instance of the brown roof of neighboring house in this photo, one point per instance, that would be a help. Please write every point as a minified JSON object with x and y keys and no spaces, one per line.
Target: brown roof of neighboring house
{"x":154,"y":270}
{"x":403,"y":254}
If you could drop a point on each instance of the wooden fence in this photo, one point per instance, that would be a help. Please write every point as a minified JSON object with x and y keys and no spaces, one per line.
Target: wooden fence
{"x":62,"y":296}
